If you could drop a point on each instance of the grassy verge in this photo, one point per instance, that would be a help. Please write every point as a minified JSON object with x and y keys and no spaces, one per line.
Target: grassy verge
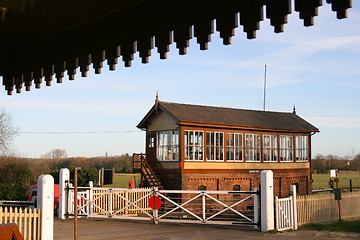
{"x":322,"y":180}
{"x":341,"y":226}
{"x":122,"y":179}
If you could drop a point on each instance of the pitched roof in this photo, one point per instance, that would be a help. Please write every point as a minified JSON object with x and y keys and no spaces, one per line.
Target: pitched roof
{"x":233,"y":117}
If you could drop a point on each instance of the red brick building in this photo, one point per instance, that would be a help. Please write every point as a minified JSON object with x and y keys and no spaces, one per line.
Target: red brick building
{"x":194,"y":147}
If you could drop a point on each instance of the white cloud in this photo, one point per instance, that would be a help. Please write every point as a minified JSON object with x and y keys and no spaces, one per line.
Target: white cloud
{"x":335,"y":122}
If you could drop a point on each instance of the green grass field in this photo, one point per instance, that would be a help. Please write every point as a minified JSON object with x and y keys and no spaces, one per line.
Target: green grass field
{"x":322,"y":180}
{"x":122,"y":179}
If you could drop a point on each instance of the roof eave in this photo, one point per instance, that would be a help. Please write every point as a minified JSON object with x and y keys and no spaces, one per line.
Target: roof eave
{"x":229,"y":126}
{"x":142,"y":125}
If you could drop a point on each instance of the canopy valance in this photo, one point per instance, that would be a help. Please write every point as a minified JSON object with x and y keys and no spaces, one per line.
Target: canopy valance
{"x":43,"y":40}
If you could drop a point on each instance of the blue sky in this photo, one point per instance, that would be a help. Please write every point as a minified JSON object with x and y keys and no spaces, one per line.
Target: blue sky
{"x":315,"y":68}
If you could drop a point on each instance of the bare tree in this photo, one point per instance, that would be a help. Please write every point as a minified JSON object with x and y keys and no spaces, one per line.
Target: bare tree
{"x":55,"y":154}
{"x":7,"y":132}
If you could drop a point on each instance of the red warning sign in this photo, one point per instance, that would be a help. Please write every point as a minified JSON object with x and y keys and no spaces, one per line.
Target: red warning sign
{"x":155,"y":202}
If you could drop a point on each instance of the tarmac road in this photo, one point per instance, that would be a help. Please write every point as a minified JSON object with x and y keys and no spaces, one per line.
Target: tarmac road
{"x":106,"y":229}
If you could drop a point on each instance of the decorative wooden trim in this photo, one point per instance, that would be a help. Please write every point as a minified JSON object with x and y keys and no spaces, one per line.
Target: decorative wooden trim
{"x":245,"y":165}
{"x":246,"y":129}
{"x":136,"y":26}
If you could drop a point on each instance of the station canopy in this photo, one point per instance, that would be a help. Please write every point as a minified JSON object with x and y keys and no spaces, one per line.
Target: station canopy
{"x":42,"y":40}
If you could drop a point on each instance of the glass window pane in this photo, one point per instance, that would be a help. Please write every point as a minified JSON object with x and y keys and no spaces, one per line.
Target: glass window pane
{"x":253,"y":149}
{"x":194,"y":148}
{"x":168,"y":145}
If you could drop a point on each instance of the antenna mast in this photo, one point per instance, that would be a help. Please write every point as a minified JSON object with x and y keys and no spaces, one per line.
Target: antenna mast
{"x":264,"y":87}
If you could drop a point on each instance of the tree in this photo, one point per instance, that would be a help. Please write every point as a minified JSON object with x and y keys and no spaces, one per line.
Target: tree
{"x":84,"y":176}
{"x":355,"y":163}
{"x":55,"y":154}
{"x":15,"y":183}
{"x":7,"y":132}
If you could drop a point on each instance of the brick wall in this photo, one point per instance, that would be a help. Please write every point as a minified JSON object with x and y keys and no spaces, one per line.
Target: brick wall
{"x":248,"y":181}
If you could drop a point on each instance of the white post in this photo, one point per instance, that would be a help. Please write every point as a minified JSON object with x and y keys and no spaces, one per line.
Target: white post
{"x":277,"y":227}
{"x":64,"y":178}
{"x":256,"y":208}
{"x":203,"y":197}
{"x":155,"y":211}
{"x":294,"y":206}
{"x":45,"y":201}
{"x":111,"y":203}
{"x":91,"y":196}
{"x":267,"y":200}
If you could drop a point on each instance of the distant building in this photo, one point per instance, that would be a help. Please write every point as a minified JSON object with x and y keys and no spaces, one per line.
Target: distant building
{"x":194,"y":147}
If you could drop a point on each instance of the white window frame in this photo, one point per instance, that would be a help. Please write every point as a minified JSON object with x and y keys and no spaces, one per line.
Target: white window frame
{"x":286,"y":148}
{"x":270,"y":148}
{"x":234,"y":146}
{"x":253,"y":147}
{"x":215,"y":143}
{"x":194,"y":143}
{"x":301,"y":148}
{"x":167,"y":147}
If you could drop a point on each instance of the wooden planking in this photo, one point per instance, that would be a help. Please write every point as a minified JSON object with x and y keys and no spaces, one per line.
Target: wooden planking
{"x":323,"y":208}
{"x":27,"y":219}
{"x":162,"y":121}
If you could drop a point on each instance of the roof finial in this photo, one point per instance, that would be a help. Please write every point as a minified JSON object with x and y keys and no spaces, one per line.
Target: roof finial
{"x":294,"y":110}
{"x":157,"y":101}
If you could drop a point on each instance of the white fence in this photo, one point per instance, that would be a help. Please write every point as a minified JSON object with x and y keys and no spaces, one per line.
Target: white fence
{"x":34,"y":223}
{"x":294,"y":211}
{"x":110,"y":202}
{"x":324,"y":209}
{"x":286,"y":212}
{"x":212,"y":207}
{"x":27,"y":219}
{"x":215,"y":207}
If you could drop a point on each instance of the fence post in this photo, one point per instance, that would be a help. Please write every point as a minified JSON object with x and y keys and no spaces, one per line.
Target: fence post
{"x":203,"y":203}
{"x":126,"y":197}
{"x":155,"y":211}
{"x":267,"y":200}
{"x":63,"y":180}
{"x":45,"y":201}
{"x":256,"y":208}
{"x":277,"y":227}
{"x":294,"y":206}
{"x":91,"y":197}
{"x":111,"y":203}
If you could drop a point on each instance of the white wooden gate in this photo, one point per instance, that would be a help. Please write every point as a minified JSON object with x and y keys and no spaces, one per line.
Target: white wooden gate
{"x":286,"y":212}
{"x":211,"y":207}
